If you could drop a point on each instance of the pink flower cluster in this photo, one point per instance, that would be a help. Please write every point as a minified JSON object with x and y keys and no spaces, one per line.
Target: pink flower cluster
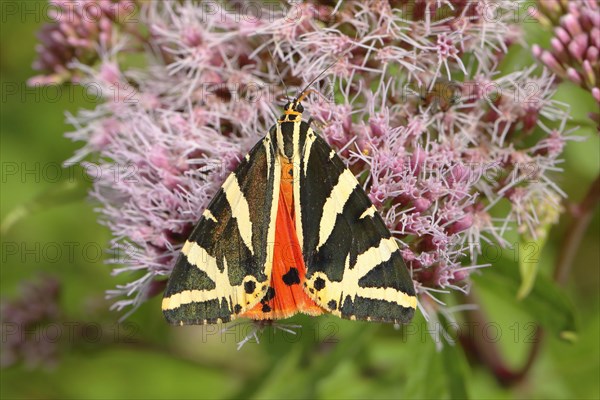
{"x":575,"y":47}
{"x":80,"y":31}
{"x":453,"y":152}
{"x":24,"y":320}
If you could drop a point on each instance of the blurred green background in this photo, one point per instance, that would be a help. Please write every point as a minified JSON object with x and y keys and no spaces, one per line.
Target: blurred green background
{"x":329,"y":358}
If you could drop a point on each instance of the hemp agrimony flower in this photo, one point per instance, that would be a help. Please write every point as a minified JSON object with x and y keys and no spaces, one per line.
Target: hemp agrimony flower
{"x":450,"y":150}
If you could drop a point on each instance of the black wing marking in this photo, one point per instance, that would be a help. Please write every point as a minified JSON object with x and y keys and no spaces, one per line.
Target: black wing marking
{"x":224,"y":267}
{"x":354,"y":267}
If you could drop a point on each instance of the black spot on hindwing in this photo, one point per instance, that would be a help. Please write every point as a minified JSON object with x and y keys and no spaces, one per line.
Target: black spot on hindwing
{"x":249,"y":287}
{"x":291,"y":277}
{"x":319,"y":284}
{"x":269,"y":295}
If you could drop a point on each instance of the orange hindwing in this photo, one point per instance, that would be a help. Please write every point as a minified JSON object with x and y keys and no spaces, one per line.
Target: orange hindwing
{"x":285,"y":295}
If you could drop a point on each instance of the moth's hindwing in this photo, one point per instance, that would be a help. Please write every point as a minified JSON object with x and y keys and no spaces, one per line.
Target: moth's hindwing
{"x":354,"y":267}
{"x":224,"y":267}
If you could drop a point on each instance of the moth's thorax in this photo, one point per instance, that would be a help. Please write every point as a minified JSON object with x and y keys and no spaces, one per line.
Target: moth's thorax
{"x":287,"y":139}
{"x":289,"y":130}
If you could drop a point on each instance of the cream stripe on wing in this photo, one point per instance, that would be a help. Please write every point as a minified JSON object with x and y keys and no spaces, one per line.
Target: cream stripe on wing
{"x":374,"y":256}
{"x":388,"y":294}
{"x":334,"y":205}
{"x":239,"y":209}
{"x":267,"y":145}
{"x":366,"y":262}
{"x":270,"y":244}
{"x":310,"y":138}
{"x":369,"y":212}
{"x":349,"y":286}
{"x":279,"y":136}
{"x":296,"y":138}
{"x":234,"y":294}
{"x":209,"y":215}
{"x":297,"y":205}
{"x":199,"y":257}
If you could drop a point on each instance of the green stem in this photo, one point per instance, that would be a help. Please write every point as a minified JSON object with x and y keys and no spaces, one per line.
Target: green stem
{"x":582,"y":216}
{"x":487,"y":352}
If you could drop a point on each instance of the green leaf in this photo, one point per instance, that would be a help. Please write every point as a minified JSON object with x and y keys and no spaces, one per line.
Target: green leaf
{"x":358,"y":336}
{"x":530,"y":248}
{"x":421,"y":369}
{"x":425,"y":379}
{"x":119,"y":372}
{"x":66,"y":191}
{"x":286,"y":377}
{"x":529,"y":252}
{"x":529,"y":261}
{"x":546,"y":302}
{"x":454,"y":364}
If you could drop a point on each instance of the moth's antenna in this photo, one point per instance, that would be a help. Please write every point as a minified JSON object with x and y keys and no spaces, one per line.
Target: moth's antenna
{"x":321,"y":74}
{"x":279,"y":74}
{"x":318,"y":76}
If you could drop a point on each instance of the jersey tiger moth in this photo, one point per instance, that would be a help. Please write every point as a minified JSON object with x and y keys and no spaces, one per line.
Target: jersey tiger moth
{"x":290,"y":230}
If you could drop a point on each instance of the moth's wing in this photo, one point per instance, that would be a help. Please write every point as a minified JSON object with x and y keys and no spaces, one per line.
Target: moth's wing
{"x":354,"y":267}
{"x":224,"y":266}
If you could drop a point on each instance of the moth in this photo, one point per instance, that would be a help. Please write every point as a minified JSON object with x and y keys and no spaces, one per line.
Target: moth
{"x":291,"y":230}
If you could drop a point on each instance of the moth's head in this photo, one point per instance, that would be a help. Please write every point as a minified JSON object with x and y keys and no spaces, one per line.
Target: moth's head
{"x":292,"y":111}
{"x":293,"y":107}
